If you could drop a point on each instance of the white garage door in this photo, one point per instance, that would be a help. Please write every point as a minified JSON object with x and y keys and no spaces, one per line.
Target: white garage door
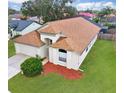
{"x":26,"y":49}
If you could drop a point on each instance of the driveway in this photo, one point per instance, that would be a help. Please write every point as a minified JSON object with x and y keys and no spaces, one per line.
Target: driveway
{"x":14,"y":64}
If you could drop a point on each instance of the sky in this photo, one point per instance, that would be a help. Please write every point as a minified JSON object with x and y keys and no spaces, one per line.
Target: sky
{"x":79,"y":4}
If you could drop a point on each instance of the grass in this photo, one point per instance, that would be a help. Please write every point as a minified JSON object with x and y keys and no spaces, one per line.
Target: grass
{"x":99,"y":75}
{"x":11,"y":48}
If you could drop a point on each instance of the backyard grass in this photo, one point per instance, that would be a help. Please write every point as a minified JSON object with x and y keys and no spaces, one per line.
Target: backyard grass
{"x":99,"y":75}
{"x":11,"y":48}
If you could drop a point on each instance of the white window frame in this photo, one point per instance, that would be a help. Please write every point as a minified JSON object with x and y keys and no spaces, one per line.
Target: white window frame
{"x":62,"y":55}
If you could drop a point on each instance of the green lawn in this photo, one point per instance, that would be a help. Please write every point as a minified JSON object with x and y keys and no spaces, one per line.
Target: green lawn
{"x":11,"y":48}
{"x":99,"y":75}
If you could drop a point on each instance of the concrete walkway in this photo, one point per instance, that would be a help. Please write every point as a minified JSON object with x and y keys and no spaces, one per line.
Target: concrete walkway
{"x":14,"y":63}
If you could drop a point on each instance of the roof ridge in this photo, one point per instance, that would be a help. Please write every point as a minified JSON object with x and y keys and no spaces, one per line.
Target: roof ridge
{"x":52,"y":27}
{"x":64,"y":19}
{"x":49,"y":26}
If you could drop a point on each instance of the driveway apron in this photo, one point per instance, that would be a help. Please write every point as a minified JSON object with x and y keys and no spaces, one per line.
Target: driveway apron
{"x":14,"y":63}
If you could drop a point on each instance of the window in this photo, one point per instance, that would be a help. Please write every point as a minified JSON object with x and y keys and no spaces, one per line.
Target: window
{"x":62,"y":50}
{"x":90,"y":44}
{"x":86,"y":49}
{"x":62,"y":55}
{"x":50,"y":42}
{"x":62,"y":59}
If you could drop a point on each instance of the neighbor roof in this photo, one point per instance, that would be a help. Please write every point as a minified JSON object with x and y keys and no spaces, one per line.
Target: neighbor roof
{"x":19,"y":25}
{"x":78,"y":33}
{"x":112,"y":19}
{"x":86,"y":14}
{"x":32,"y":38}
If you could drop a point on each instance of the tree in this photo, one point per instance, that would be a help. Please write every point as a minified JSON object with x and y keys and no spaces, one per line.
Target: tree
{"x":105,"y":11}
{"x":70,"y":11}
{"x":27,"y":8}
{"x":97,"y":20}
{"x":89,"y":11}
{"x":49,"y":10}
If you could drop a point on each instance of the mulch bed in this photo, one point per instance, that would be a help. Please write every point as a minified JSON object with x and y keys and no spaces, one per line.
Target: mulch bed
{"x":67,"y":73}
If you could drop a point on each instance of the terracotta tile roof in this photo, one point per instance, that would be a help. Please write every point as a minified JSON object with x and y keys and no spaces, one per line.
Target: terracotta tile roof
{"x":78,"y":31}
{"x":32,"y":38}
{"x":48,"y":29}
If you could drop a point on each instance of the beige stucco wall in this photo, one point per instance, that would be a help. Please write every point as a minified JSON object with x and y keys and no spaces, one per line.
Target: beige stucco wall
{"x":72,"y":58}
{"x":53,"y":37}
{"x":54,"y":57}
{"x":31,"y":50}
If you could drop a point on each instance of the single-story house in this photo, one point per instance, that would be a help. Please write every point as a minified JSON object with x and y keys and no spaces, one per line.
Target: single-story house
{"x":22,"y":27}
{"x":64,"y":42}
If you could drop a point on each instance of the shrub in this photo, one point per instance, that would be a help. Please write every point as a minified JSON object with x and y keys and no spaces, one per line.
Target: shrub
{"x":109,"y":25}
{"x":31,"y":67}
{"x":97,"y":20}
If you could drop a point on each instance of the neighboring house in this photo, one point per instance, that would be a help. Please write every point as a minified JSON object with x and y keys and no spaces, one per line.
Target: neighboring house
{"x":22,"y":27}
{"x":109,"y":19}
{"x":35,"y":18}
{"x":112,"y":19}
{"x":87,"y":15}
{"x":14,"y":16}
{"x":64,"y":42}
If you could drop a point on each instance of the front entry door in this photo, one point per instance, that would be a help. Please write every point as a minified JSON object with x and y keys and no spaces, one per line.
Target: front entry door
{"x":48,"y":43}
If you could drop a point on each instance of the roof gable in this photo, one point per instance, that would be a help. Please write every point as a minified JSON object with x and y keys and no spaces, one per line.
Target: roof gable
{"x":32,"y":38}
